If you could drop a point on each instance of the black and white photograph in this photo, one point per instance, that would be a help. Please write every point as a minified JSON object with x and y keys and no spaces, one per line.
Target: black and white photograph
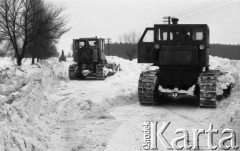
{"x":119,"y":75}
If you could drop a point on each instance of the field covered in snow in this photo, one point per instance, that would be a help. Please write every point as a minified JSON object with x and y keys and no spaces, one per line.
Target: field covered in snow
{"x":40,"y":106}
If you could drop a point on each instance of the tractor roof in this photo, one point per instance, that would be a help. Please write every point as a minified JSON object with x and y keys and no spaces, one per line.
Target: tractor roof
{"x":181,"y":25}
{"x":89,"y":38}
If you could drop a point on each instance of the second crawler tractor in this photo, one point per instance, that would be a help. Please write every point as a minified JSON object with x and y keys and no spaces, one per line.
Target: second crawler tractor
{"x":180,"y":57}
{"x":90,"y":60}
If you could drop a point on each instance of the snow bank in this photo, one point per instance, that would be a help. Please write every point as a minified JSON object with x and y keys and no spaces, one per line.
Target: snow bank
{"x":231,"y":105}
{"x":26,"y":122}
{"x":231,"y":70}
{"x":129,"y":72}
{"x":124,"y":82}
{"x":11,"y":62}
{"x":6,"y":61}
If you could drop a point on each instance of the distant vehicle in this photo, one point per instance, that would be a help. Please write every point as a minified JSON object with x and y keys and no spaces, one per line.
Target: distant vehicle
{"x":62,"y":57}
{"x":90,"y":60}
{"x":180,"y":57}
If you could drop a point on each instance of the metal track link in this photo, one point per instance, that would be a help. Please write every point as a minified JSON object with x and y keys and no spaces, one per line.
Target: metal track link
{"x":100,"y":72}
{"x":208,"y":83}
{"x":72,"y":72}
{"x":146,"y":86}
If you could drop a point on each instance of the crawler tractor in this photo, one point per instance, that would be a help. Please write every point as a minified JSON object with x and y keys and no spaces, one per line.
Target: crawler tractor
{"x":90,"y":60}
{"x":62,"y":57}
{"x":179,"y":54}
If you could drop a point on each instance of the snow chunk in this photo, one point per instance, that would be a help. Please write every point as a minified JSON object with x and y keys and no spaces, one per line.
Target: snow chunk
{"x":3,"y":99}
{"x":151,"y":68}
{"x":230,"y":70}
{"x":190,"y":91}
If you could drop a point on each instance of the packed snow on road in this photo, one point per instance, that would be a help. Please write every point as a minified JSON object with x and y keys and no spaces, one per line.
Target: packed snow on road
{"x":41,"y":109}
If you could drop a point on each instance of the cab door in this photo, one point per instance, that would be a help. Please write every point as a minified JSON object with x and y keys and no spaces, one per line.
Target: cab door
{"x":146,"y":47}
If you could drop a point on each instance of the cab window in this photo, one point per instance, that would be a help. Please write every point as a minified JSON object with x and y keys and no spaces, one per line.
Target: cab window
{"x":162,"y":35}
{"x":198,"y":34}
{"x":174,"y":34}
{"x":92,"y":43}
{"x":148,"y":36}
{"x":81,"y":44}
{"x":180,"y":34}
{"x":165,"y":36}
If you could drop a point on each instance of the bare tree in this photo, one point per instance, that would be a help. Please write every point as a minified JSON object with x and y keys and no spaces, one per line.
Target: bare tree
{"x":30,"y":24}
{"x":120,"y":39}
{"x":48,"y":28}
{"x":130,"y":37}
{"x":126,"y":38}
{"x":10,"y":23}
{"x":129,"y":41}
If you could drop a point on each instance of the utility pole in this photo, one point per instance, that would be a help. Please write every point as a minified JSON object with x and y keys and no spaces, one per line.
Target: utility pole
{"x":109,"y":40}
{"x":170,"y":19}
{"x":167,"y":19}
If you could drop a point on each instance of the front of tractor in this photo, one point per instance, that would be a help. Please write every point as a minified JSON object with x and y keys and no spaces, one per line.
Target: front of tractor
{"x":90,"y":60}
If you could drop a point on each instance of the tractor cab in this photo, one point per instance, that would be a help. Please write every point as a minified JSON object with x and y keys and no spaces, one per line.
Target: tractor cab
{"x":88,"y":50}
{"x":175,"y":45}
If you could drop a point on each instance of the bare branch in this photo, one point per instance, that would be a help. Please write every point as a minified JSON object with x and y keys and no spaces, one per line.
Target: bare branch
{"x":31,"y":24}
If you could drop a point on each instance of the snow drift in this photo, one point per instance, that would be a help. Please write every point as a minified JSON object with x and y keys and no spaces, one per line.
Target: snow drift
{"x":25,"y":121}
{"x":231,"y":105}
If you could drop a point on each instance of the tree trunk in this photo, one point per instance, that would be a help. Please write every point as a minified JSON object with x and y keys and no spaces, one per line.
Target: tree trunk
{"x":37,"y":59}
{"x":19,"y":61}
{"x":33,"y":60}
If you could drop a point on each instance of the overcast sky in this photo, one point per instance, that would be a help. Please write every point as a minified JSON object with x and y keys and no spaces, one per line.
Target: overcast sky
{"x":111,"y":18}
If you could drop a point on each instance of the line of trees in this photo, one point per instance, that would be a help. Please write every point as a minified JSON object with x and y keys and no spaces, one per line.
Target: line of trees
{"x":31,"y":28}
{"x":123,"y":50}
{"x":131,"y":37}
{"x":127,"y":46}
{"x":225,"y":51}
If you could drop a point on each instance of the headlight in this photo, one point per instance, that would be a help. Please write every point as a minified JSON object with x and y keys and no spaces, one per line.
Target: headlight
{"x":157,"y":46}
{"x":201,"y":47}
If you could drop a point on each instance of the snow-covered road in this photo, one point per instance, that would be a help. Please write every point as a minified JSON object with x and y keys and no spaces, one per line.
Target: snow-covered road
{"x":118,"y":126}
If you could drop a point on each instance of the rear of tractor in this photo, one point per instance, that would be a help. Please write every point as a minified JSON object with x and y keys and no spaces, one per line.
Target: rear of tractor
{"x":179,"y":54}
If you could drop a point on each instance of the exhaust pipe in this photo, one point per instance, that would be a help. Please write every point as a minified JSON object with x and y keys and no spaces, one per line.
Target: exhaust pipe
{"x":175,"y":21}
